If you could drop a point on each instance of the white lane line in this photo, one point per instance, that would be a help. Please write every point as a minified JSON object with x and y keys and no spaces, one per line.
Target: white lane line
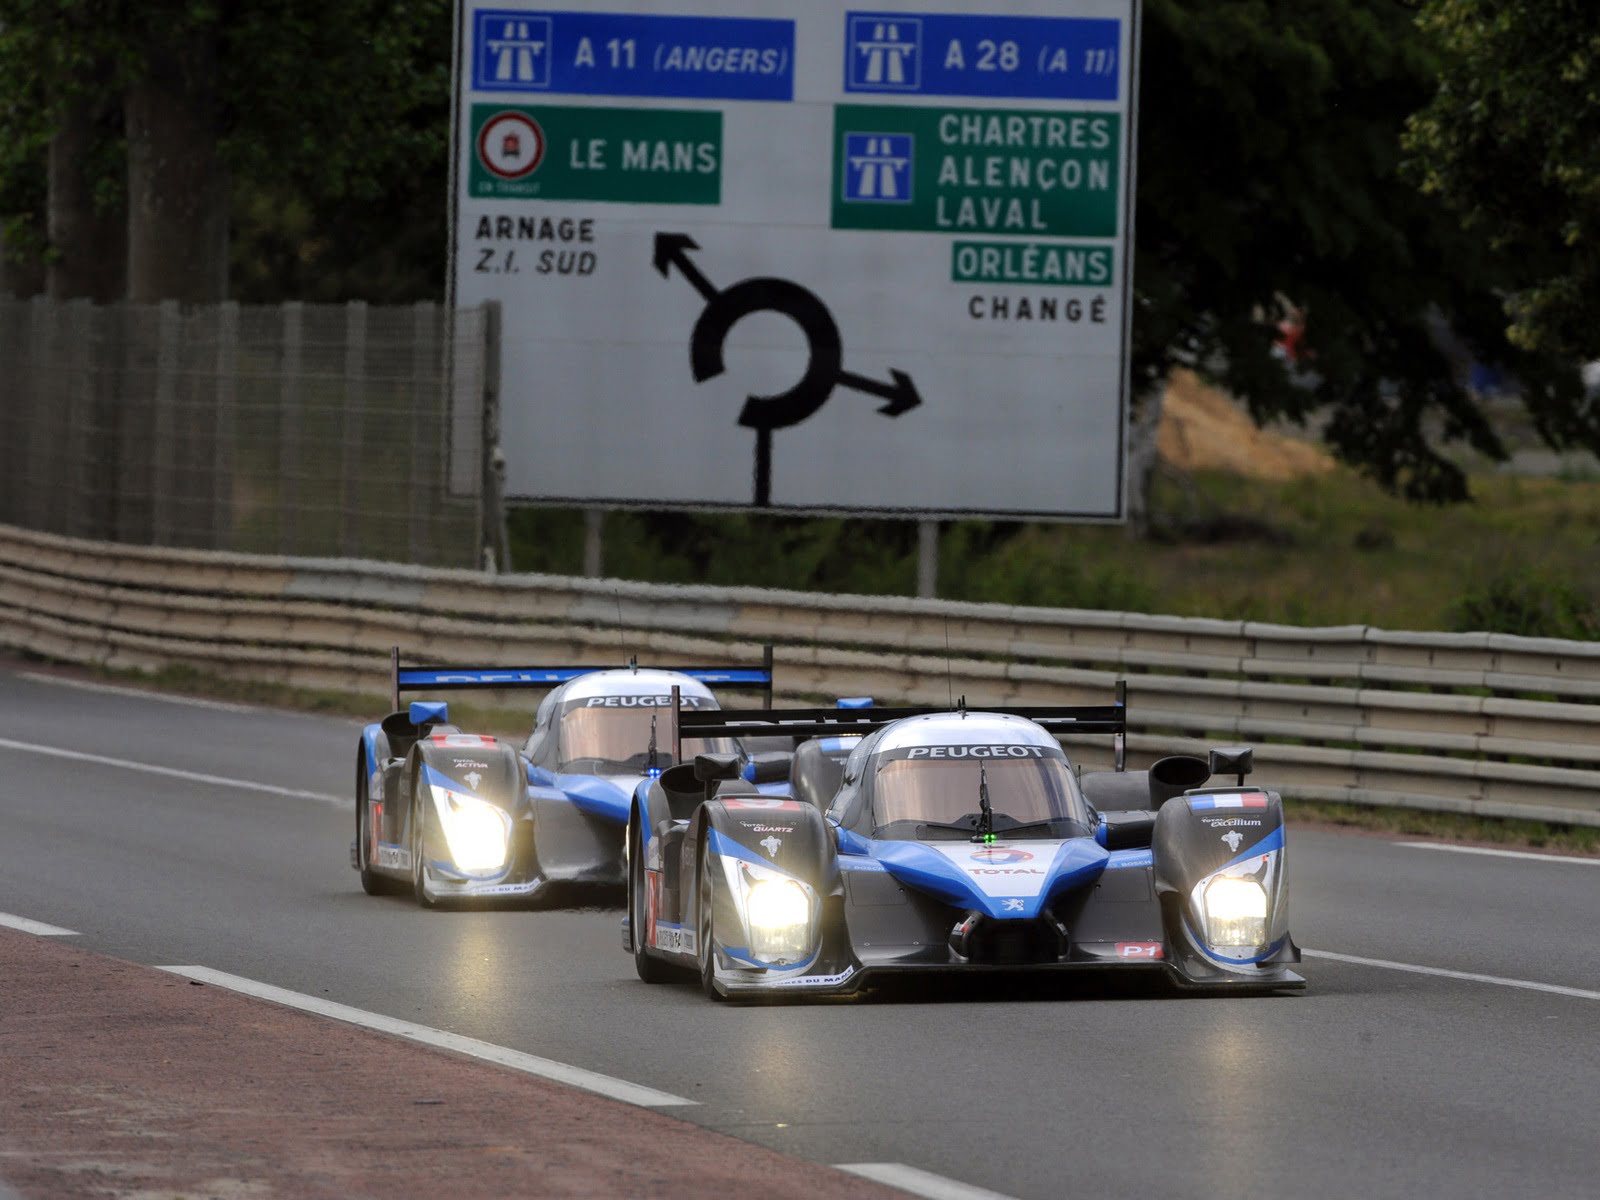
{"x":38,"y":928}
{"x":530,"y":1064}
{"x":169,"y":772}
{"x":112,"y":689}
{"x":919,"y":1183}
{"x":1525,"y":984}
{"x":1548,"y":858}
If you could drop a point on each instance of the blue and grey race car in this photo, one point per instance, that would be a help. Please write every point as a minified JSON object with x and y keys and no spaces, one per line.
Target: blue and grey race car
{"x":954,"y":841}
{"x":447,"y":814}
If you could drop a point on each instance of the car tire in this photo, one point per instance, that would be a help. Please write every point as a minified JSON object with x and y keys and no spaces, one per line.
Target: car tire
{"x":650,"y":969}
{"x":705,"y":906}
{"x":418,"y":847}
{"x":372,"y":883}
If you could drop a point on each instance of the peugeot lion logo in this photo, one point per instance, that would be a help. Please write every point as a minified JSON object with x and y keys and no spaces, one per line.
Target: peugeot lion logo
{"x":473,"y":779}
{"x":1233,"y":837}
{"x":771,"y":845}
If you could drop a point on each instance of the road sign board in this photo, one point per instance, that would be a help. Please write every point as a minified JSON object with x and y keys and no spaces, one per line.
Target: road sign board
{"x":858,"y":258}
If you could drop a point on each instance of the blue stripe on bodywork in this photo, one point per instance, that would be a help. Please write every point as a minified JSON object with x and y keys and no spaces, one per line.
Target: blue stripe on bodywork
{"x":724,"y":846}
{"x":1077,"y":862}
{"x":369,"y":744}
{"x":601,"y":798}
{"x":1273,"y":841}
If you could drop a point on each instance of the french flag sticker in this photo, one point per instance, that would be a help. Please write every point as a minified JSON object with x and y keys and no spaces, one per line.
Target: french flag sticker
{"x":1238,"y":800}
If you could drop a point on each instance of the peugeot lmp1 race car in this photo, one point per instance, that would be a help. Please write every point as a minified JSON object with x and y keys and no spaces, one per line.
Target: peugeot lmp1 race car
{"x":954,"y":841}
{"x":448,"y":814}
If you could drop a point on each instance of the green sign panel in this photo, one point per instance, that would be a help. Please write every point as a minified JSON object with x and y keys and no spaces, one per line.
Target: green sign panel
{"x":976,"y":171}
{"x":619,"y":155}
{"x":1036,"y":264}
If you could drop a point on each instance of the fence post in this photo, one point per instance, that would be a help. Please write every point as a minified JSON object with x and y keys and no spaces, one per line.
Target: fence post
{"x":35,"y":502}
{"x":594,"y":545}
{"x":927,"y":559}
{"x":222,"y":456}
{"x":75,"y":470}
{"x":424,"y":379}
{"x":355,"y":414}
{"x":165,"y":428}
{"x":491,"y":504}
{"x":289,"y":447}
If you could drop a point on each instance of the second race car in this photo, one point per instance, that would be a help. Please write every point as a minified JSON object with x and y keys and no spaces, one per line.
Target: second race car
{"x":447,"y":814}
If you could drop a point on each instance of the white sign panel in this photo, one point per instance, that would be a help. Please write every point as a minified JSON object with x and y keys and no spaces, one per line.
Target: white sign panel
{"x":835,"y":256}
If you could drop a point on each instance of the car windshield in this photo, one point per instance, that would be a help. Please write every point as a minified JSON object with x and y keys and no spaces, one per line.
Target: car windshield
{"x":943,"y":792}
{"x":603,"y":738}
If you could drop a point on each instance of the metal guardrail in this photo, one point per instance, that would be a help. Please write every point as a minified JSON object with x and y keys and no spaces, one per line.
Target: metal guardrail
{"x":1478,"y":723}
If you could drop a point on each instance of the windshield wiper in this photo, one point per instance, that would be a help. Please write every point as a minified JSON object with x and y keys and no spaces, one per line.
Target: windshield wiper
{"x":1044,"y":824}
{"x":985,"y":832}
{"x":650,"y":754}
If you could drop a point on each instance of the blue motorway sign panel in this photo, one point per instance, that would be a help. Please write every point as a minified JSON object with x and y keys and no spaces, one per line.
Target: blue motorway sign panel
{"x":632,"y":54}
{"x":950,"y":54}
{"x":878,"y":168}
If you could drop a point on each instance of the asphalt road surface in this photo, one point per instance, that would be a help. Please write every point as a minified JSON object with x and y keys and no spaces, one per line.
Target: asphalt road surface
{"x":147,"y":825}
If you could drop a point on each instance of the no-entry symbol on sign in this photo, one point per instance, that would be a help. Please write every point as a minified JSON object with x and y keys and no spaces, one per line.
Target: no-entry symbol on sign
{"x":511,"y":145}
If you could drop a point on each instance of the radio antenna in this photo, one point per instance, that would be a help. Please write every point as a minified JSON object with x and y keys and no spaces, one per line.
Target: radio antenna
{"x":949,"y":679}
{"x":622,"y":638}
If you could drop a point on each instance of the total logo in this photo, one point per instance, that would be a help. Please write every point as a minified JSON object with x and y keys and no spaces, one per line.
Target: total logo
{"x":1000,"y":856}
{"x":511,"y":145}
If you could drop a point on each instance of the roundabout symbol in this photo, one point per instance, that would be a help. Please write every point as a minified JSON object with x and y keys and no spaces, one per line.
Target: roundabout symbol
{"x":824,"y":372}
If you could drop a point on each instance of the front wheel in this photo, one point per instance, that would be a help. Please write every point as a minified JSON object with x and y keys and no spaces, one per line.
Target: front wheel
{"x":372,"y":883}
{"x":649,"y":968}
{"x":419,"y":813}
{"x":705,"y":949}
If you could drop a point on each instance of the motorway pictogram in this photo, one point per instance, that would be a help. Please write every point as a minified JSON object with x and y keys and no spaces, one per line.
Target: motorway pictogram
{"x":825,"y":371}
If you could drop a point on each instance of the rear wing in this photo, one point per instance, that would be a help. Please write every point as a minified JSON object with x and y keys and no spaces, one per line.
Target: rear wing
{"x":443,"y":679}
{"x":834,"y":722}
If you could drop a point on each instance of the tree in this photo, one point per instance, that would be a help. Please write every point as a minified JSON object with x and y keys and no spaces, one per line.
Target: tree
{"x":1270,"y":174}
{"x":1511,"y":141}
{"x":221,"y":98}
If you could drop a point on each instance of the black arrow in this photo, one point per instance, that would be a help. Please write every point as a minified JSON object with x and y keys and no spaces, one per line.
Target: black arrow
{"x":901,"y":394}
{"x":672,"y":250}
{"x":824,"y":370}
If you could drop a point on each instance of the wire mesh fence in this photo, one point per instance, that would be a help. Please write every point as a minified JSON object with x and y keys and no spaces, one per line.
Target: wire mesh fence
{"x":323,"y":430}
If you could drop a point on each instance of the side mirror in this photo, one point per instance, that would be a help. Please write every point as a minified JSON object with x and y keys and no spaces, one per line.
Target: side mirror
{"x":428,"y":712}
{"x":710,"y":767}
{"x":770,"y":767}
{"x":1232,"y":760}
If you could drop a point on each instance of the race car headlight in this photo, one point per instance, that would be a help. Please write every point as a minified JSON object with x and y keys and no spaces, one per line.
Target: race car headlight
{"x":1236,"y":912}
{"x":779,"y":915}
{"x":478,"y":834}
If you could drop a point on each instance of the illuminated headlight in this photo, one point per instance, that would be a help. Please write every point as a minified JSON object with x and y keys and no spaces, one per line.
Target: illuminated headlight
{"x":779,"y":913}
{"x":1236,"y":912}
{"x":478,"y":834}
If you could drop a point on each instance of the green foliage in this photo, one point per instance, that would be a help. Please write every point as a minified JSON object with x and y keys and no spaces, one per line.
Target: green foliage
{"x":1511,"y":140}
{"x":1269,"y":171}
{"x":333,"y":124}
{"x":1529,"y":604}
{"x":1330,"y":550}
